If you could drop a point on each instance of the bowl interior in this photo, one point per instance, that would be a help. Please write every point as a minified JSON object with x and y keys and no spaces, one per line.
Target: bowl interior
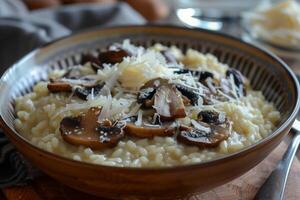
{"x":265,"y":72}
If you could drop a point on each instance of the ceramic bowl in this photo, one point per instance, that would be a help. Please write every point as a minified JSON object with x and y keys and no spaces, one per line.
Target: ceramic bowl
{"x":265,"y":71}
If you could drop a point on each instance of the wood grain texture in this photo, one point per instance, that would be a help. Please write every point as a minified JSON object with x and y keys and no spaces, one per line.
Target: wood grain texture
{"x":243,"y":188}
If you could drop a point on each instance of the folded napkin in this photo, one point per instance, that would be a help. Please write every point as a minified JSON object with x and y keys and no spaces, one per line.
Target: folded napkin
{"x":21,"y":31}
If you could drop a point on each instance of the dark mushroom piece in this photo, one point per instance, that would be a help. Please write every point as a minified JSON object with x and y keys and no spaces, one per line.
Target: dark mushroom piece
{"x":211,"y":117}
{"x":188,"y":93}
{"x":145,"y":96}
{"x":95,"y":62}
{"x":163,"y":97}
{"x":113,"y":57}
{"x":168,"y":103}
{"x":59,"y":86}
{"x":203,"y":75}
{"x":81,"y":90}
{"x":203,"y":139}
{"x":63,"y":84}
{"x":148,"y":130}
{"x":207,"y":132}
{"x":85,"y":130}
{"x":71,"y":81}
{"x":147,"y":91}
{"x":237,"y":76}
{"x":84,"y":92}
{"x":72,"y":74}
{"x":238,"y":79}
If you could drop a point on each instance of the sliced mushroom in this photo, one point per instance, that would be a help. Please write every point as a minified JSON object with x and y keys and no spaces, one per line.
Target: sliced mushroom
{"x":209,"y":130}
{"x":211,"y":117}
{"x":84,"y":92}
{"x":81,"y":90}
{"x":147,"y":91}
{"x":95,"y":62}
{"x":169,"y":56}
{"x":181,"y":71}
{"x":163,"y":97}
{"x":81,"y":87}
{"x":113,"y":57}
{"x":148,"y":130}
{"x":204,"y":75}
{"x":168,"y":103}
{"x":202,"y":138}
{"x":59,"y":86}
{"x":87,"y":131}
{"x":145,"y":96}
{"x":189,"y":93}
{"x":237,"y":76}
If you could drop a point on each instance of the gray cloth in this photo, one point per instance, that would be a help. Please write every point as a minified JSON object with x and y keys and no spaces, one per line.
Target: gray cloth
{"x":21,"y":31}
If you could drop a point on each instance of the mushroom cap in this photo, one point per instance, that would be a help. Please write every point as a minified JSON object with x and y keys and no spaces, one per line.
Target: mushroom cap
{"x":87,"y":131}
{"x":59,"y":86}
{"x":113,"y":57}
{"x":201,"y":138}
{"x":148,"y":132}
{"x":94,"y":61}
{"x":168,"y":103}
{"x":210,"y":129}
{"x":163,"y":97}
{"x":211,"y":117}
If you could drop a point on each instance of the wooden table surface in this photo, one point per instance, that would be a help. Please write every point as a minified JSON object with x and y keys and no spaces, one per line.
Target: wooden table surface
{"x":242,"y":188}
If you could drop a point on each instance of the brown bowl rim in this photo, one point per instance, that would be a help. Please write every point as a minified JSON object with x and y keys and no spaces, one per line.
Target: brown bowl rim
{"x":224,"y":158}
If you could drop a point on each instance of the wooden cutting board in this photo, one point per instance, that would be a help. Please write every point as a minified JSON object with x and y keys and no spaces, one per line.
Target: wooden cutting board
{"x":242,"y":188}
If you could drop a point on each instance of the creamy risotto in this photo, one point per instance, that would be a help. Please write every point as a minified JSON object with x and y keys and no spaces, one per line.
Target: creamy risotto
{"x":138,"y":107}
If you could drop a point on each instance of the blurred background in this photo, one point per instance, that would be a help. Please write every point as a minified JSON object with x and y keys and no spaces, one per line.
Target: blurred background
{"x":27,"y":24}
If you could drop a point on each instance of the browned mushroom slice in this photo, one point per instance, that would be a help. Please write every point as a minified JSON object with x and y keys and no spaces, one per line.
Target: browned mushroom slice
{"x":145,"y":97}
{"x":164,"y":97}
{"x":113,"y":57}
{"x":168,"y":103}
{"x":188,"y":93}
{"x":147,"y":131}
{"x":59,"y":86}
{"x":147,"y":91}
{"x":93,"y":60}
{"x":211,"y":117}
{"x":81,"y":87}
{"x":85,"y":130}
{"x":208,"y":137}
